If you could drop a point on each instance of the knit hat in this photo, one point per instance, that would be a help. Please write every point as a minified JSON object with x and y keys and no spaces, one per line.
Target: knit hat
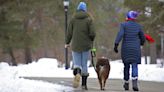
{"x":82,"y":6}
{"x":132,"y":15}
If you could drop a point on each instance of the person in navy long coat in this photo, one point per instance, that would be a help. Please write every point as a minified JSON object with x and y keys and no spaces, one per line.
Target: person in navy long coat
{"x":132,"y":38}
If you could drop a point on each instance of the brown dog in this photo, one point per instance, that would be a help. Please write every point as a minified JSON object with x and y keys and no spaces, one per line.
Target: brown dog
{"x":102,"y":69}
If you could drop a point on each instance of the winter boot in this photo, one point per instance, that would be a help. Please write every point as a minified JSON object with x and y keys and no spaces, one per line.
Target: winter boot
{"x":77,"y":74}
{"x":126,"y":85}
{"x":135,"y":85}
{"x":84,"y":82}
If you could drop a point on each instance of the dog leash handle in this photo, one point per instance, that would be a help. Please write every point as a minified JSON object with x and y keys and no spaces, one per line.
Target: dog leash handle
{"x":93,"y":52}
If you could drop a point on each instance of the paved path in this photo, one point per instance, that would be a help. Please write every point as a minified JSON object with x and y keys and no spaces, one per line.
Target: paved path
{"x":113,"y":85}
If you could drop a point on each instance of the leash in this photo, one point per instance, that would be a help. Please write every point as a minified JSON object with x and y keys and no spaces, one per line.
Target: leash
{"x":93,"y":54}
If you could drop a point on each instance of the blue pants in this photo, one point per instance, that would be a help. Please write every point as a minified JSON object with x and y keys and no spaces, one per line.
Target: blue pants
{"x":134,"y":71}
{"x":80,"y":61}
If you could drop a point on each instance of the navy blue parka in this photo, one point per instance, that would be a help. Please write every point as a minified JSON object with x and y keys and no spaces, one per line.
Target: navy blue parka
{"x":132,"y":38}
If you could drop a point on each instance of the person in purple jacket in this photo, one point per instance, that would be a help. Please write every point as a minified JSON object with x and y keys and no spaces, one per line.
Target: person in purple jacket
{"x":132,"y":38}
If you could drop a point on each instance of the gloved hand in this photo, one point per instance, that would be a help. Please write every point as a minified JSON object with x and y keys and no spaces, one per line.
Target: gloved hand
{"x":141,"y":43}
{"x":93,"y":52}
{"x":67,"y":45}
{"x":116,"y":48}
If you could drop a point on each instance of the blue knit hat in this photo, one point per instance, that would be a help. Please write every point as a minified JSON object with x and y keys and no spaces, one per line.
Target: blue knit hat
{"x":82,"y":6}
{"x":132,"y":15}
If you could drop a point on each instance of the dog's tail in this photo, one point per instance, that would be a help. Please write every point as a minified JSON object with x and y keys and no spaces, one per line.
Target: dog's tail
{"x":101,"y":70}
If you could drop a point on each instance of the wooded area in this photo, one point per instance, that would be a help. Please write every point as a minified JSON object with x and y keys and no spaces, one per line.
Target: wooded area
{"x":32,"y":29}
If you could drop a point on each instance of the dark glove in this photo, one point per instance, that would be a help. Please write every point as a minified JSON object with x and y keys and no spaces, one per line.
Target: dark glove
{"x":116,"y":48}
{"x":142,"y":44}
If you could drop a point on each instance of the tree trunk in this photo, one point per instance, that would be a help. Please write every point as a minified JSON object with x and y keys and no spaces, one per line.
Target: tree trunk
{"x":44,"y":39}
{"x":10,"y":51}
{"x":146,"y":52}
{"x":153,"y":53}
{"x":28,"y":58}
{"x":27,"y":53}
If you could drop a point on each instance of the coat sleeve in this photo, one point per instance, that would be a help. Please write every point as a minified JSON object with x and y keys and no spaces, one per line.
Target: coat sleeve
{"x":69,"y":32}
{"x":120,"y":34}
{"x":142,"y":37}
{"x":92,"y":32}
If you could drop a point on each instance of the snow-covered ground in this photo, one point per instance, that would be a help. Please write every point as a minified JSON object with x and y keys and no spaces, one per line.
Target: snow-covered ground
{"x":47,"y":67}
